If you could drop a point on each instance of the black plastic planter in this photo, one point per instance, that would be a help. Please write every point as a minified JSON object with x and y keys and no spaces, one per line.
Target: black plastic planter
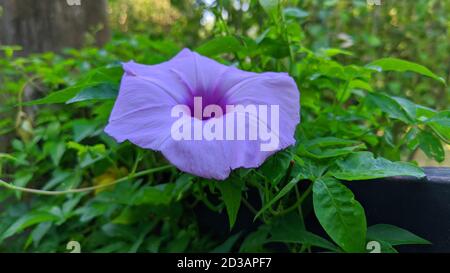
{"x":421,"y":206}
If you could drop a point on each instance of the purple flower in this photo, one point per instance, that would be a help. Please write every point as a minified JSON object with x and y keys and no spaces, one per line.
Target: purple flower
{"x":145,"y":113}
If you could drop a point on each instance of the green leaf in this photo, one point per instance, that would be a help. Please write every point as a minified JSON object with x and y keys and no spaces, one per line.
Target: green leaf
{"x":270,"y":6}
{"x":226,"y":246}
{"x":295,"y":13}
{"x":182,"y":184}
{"x":97,"y":77}
{"x":220,"y":45}
{"x":28,"y":220}
{"x":440,"y":123}
{"x":431,"y":146}
{"x":289,"y":229}
{"x":103,"y":91}
{"x":231,"y":190}
{"x":55,"y":150}
{"x":20,"y":161}
{"x":394,"y":235}
{"x":408,"y":106}
{"x":359,"y":84}
{"x":280,"y":194}
{"x":328,"y":147}
{"x":395,"y":108}
{"x":338,"y":212}
{"x":180,"y":243}
{"x":83,"y":128}
{"x":274,"y":48}
{"x":307,"y":169}
{"x":254,"y":242}
{"x":275,"y":167}
{"x":155,"y":195}
{"x":330,"y":52}
{"x":362,"y":166}
{"x":394,"y":64}
{"x":40,"y":231}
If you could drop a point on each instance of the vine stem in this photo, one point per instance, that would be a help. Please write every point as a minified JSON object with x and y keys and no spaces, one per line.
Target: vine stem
{"x":298,"y":202}
{"x":86,"y":189}
{"x":249,"y":206}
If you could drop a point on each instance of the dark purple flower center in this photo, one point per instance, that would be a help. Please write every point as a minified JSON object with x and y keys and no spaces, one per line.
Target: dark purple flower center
{"x":206,"y":99}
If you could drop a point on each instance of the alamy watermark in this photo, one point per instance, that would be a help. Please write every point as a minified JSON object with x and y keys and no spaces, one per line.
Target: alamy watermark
{"x":229,"y":122}
{"x":73,"y":2}
{"x":374,"y":2}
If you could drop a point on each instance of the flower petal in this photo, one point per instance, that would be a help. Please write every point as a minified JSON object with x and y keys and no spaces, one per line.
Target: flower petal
{"x":142,"y":112}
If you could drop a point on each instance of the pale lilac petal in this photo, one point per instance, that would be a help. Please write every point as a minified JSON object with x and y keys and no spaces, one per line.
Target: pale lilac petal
{"x":142,"y":112}
{"x":271,"y":89}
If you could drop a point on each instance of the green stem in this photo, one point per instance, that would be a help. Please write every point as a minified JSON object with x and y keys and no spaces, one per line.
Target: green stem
{"x":298,"y":202}
{"x":87,"y":189}
{"x":249,"y":206}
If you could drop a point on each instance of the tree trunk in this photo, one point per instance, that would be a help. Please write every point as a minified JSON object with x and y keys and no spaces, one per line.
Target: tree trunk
{"x":51,"y":25}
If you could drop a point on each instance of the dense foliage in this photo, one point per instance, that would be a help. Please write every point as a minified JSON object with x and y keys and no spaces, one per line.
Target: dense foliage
{"x":120,"y":198}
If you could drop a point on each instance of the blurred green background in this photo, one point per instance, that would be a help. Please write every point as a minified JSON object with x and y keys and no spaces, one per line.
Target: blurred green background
{"x":418,"y":31}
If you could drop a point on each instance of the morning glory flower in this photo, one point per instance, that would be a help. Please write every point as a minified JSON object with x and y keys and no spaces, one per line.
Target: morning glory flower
{"x":206,"y":118}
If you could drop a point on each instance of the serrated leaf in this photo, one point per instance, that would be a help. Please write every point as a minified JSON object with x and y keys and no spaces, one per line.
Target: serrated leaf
{"x":338,"y":212}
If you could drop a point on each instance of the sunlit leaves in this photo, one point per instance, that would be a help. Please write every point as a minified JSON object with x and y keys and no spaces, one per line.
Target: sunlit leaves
{"x":431,"y":146}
